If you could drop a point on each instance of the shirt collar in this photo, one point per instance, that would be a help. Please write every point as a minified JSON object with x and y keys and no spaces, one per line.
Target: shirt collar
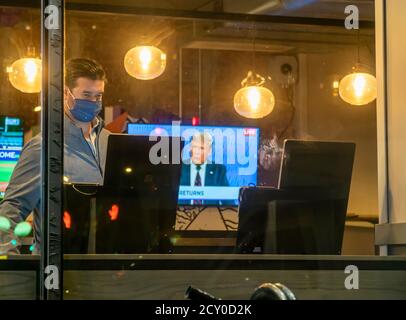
{"x":203,"y":165}
{"x":95,"y":124}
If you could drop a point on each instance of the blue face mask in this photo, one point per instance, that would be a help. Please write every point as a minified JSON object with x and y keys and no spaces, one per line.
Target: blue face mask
{"x":85,"y":110}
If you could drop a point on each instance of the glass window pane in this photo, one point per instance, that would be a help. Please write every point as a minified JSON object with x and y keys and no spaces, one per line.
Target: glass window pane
{"x":244,"y":129}
{"x":162,"y":68}
{"x":20,"y":151}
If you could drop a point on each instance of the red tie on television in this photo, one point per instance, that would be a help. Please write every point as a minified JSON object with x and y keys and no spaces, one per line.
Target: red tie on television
{"x":198,"y":183}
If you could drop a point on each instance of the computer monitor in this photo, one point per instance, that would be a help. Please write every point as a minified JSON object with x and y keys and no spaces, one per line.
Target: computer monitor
{"x":226,"y":159}
{"x":135,"y":209}
{"x":317,"y":164}
{"x":137,"y":161}
{"x":306,"y":215}
{"x":11,"y":144}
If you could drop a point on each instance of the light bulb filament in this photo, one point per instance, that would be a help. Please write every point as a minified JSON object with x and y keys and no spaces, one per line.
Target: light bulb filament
{"x":30,"y":70}
{"x":254,"y":98}
{"x":145,"y":58}
{"x":359,"y":85}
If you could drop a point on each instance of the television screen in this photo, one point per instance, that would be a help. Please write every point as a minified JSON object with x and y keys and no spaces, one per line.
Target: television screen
{"x":11,"y":144}
{"x":216,"y":161}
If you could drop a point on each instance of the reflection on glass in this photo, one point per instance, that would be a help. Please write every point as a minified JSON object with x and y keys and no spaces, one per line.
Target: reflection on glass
{"x":12,"y":238}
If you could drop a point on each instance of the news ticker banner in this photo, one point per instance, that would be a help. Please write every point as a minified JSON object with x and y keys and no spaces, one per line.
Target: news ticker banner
{"x":9,"y":153}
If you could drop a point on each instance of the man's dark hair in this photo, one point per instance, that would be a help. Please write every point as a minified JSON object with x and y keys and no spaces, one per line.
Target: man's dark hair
{"x":83,"y":68}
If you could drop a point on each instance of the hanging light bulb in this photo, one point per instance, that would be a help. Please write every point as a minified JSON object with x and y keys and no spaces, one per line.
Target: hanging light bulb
{"x":253,"y":100}
{"x":358,"y":88}
{"x":25,"y":73}
{"x":145,"y":62}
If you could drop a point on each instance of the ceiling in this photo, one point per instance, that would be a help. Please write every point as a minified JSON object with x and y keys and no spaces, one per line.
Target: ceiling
{"x":289,"y":36}
{"x":327,"y":9}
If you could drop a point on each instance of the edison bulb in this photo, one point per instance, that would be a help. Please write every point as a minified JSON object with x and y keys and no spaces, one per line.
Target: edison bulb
{"x":358,"y":88}
{"x":145,"y":62}
{"x":254,"y":102}
{"x":25,"y":75}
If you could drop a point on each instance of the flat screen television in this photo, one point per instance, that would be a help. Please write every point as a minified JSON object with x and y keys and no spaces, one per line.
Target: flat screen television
{"x":11,"y":144}
{"x":216,"y":161}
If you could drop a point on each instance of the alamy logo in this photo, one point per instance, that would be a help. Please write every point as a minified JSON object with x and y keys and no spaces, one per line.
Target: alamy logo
{"x":221,"y":146}
{"x":351,"y":282}
{"x":352,"y":20}
{"x":52,"y":20}
{"x":52,"y":278}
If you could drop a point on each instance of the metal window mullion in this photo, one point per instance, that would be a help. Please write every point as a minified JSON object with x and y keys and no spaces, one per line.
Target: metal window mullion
{"x":52,"y":55}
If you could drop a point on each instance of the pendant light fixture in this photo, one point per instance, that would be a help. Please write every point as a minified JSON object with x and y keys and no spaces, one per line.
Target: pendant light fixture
{"x":145,"y":62}
{"x":359,"y":87}
{"x":253,"y":100}
{"x":25,"y":73}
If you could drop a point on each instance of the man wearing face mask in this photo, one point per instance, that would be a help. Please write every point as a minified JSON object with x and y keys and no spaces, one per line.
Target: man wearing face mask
{"x":85,"y":142}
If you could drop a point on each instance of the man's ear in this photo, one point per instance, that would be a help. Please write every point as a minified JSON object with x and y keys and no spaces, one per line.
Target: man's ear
{"x":65,"y":91}
{"x":66,"y":96}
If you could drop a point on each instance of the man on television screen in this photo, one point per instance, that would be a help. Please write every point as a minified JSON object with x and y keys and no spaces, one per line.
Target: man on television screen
{"x":200,"y":172}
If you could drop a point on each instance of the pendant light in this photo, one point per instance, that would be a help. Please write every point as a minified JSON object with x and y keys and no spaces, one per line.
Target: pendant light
{"x":359,"y":87}
{"x":253,"y":100}
{"x":145,"y":62}
{"x":25,"y":73}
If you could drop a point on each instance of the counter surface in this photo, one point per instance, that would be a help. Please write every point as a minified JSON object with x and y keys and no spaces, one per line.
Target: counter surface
{"x":226,"y":276}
